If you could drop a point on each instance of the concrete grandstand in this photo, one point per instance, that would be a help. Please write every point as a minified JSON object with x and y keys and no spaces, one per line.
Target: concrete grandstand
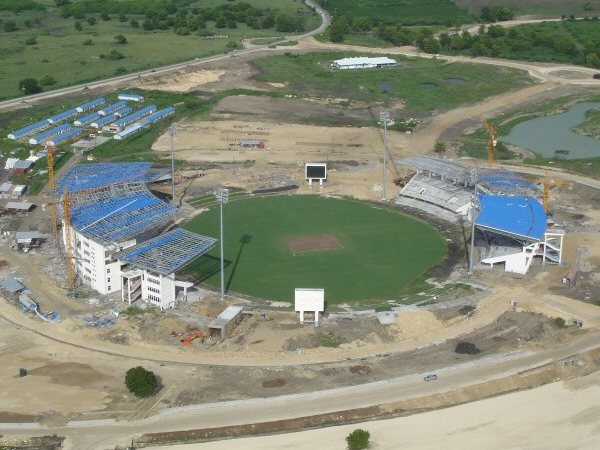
{"x":510,"y":225}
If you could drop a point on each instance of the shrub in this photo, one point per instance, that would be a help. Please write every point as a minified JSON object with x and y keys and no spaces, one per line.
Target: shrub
{"x":358,"y":439}
{"x":47,"y":80}
{"x":29,"y":86}
{"x":466,"y":348}
{"x":560,"y":322}
{"x":88,"y":42}
{"x":121,"y":39}
{"x":22,"y":372}
{"x":141,"y":382}
{"x":10,"y":26}
{"x":31,"y":41}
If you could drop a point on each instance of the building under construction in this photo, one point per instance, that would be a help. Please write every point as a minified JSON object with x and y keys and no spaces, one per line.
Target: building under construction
{"x":115,"y":233}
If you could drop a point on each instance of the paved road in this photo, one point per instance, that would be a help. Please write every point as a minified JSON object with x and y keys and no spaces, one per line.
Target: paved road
{"x":325,"y":22}
{"x":103,"y":434}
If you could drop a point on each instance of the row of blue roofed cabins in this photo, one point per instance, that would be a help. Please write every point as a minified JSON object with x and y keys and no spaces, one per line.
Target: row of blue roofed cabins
{"x":159,"y":115}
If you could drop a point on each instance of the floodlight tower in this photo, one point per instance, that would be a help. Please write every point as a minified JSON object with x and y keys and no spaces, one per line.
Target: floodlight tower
{"x":173,"y":132}
{"x":384,"y":116}
{"x":471,"y":250}
{"x":222,"y":196}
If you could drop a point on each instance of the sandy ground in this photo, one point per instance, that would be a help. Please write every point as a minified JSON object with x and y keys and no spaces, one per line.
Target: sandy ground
{"x":182,"y":81}
{"x":557,"y":416}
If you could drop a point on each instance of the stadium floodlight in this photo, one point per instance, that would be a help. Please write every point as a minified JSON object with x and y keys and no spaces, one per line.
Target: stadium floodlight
{"x":384,"y":117}
{"x":471,"y":252}
{"x":173,"y":132}
{"x":222,"y":196}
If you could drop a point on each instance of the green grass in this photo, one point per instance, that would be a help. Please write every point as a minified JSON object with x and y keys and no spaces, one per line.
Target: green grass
{"x":406,"y":12}
{"x":591,"y":125}
{"x":310,"y":75}
{"x":382,"y":251}
{"x":60,"y":52}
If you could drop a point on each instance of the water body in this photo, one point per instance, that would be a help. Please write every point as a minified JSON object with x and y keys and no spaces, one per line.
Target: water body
{"x":428,"y":85}
{"x":552,"y":137}
{"x":386,"y":86}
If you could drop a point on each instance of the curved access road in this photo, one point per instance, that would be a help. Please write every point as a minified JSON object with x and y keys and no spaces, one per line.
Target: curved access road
{"x":92,"y":435}
{"x":325,"y":22}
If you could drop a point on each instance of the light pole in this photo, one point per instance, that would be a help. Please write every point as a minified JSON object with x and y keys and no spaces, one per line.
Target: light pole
{"x":173,"y":132}
{"x":222,"y":196}
{"x":384,"y":116}
{"x":472,"y":231}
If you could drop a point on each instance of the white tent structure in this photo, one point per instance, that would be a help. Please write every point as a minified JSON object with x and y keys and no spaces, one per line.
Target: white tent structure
{"x":363,"y":62}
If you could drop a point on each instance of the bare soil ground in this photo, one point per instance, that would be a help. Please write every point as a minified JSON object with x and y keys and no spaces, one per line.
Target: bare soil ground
{"x":302,"y":244}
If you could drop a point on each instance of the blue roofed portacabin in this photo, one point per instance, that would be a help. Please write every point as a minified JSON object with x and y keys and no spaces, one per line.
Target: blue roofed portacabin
{"x":124,"y":121}
{"x":63,"y":116}
{"x":112,"y":108}
{"x":103,"y":121}
{"x":21,"y":132}
{"x":129,"y":96}
{"x":91,"y":104}
{"x":123,"y":112}
{"x":54,"y":141}
{"x":42,"y":137}
{"x":87,"y":119}
{"x":517,"y":217}
{"x":152,"y":118}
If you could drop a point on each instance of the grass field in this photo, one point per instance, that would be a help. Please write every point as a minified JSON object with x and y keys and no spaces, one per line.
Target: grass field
{"x":406,"y":12}
{"x":382,"y":251}
{"x":310,"y":75}
{"x":60,"y":53}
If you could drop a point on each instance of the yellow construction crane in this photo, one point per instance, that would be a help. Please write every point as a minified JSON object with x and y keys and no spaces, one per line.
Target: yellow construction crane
{"x":491,"y":144}
{"x":52,"y":186}
{"x":68,"y":242}
{"x":549,"y":183}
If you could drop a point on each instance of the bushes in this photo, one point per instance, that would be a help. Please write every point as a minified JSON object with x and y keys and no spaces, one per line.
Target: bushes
{"x":141,"y":382}
{"x":358,"y":439}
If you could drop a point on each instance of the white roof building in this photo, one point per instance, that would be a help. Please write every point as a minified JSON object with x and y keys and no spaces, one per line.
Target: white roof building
{"x":363,"y":62}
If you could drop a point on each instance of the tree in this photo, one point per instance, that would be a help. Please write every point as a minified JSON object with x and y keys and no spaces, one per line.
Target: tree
{"x":31,"y":41}
{"x":91,"y":20}
{"x":439,"y":147}
{"x":560,"y":322}
{"x":121,"y":39}
{"x":78,"y":26}
{"x":358,"y":439}
{"x":47,"y":80}
{"x":61,"y":3}
{"x":10,"y":26}
{"x":134,"y":23}
{"x":105,"y":16}
{"x":29,"y":86}
{"x":141,"y":382}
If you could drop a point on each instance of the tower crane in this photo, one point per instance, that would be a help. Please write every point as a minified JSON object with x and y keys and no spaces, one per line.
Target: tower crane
{"x":68,"y":241}
{"x":52,"y":186}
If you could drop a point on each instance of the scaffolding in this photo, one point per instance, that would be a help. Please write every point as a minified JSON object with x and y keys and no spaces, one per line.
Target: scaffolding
{"x":68,"y":242}
{"x":52,"y":184}
{"x":489,"y":181}
{"x":83,"y":177}
{"x":169,"y":252}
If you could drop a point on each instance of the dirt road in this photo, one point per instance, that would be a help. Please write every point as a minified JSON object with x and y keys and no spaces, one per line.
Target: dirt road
{"x":102,"y":434}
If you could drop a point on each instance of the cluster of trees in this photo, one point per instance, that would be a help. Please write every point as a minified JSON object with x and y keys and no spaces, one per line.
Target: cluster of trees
{"x":496,"y":13}
{"x":164,"y":15}
{"x":543,"y":42}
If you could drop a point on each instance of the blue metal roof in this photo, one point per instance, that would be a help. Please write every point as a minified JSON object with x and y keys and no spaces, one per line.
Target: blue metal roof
{"x":103,"y":121}
{"x":88,"y":176}
{"x":158,"y":115}
{"x":169,"y":252}
{"x":121,"y":218}
{"x":87,"y":119}
{"x":63,"y":116}
{"x":91,"y":104}
{"x":29,"y":129}
{"x":505,"y":182}
{"x":123,"y":112}
{"x":65,"y":136}
{"x":128,"y":96}
{"x":135,"y":116}
{"x":51,"y":132}
{"x":112,"y":108}
{"x":514,"y":216}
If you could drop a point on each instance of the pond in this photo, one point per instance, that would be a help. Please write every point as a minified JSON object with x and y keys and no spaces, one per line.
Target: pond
{"x":386,"y":86}
{"x":428,"y":85}
{"x":551,"y":137}
{"x":455,"y":81}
